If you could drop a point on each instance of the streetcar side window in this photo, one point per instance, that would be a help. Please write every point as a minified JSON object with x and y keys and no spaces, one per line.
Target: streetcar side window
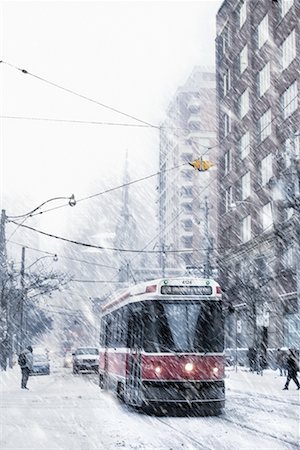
{"x":135,"y":336}
{"x":123,"y":326}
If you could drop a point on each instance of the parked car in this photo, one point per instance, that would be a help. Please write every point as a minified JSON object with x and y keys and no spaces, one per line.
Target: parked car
{"x":85,"y":359}
{"x":41,"y":365}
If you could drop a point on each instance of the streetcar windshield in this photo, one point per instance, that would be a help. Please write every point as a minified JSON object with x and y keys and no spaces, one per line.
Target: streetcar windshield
{"x":183,"y":327}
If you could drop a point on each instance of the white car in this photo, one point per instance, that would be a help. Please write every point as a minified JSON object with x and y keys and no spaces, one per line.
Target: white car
{"x":85,"y":359}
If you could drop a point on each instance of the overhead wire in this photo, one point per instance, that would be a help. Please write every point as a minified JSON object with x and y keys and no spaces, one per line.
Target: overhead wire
{"x":74,"y":121}
{"x":70,"y":91}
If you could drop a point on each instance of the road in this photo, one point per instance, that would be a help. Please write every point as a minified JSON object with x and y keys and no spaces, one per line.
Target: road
{"x":65,"y":411}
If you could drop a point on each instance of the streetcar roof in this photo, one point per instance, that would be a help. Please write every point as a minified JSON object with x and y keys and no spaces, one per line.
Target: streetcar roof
{"x":188,"y":287}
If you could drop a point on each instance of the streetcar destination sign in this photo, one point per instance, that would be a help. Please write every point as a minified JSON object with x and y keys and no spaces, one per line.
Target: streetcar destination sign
{"x":186,"y":290}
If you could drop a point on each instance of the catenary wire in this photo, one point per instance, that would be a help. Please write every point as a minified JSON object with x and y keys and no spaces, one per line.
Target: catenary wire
{"x":70,"y":91}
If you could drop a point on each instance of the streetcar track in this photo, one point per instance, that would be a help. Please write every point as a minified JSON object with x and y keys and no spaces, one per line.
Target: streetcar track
{"x":202,"y":447}
{"x":226,"y":419}
{"x":255,"y":430}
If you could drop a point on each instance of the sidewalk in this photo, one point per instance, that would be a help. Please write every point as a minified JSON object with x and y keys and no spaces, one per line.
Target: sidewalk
{"x":269,"y":384}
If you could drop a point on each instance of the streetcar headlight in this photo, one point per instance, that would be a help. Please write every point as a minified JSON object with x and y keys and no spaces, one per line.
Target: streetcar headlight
{"x":189,"y":367}
{"x":216,"y":370}
{"x":157,"y":370}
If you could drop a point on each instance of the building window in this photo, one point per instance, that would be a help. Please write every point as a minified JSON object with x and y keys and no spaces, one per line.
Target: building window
{"x":246,"y":186}
{"x":244,"y":103}
{"x":264,"y":126}
{"x":288,"y":50}
{"x":288,"y":257}
{"x":186,"y":174}
{"x":267,"y":217}
{"x":244,"y":145}
{"x":228,"y":160}
{"x":227,"y":124}
{"x":225,"y":40}
{"x":291,"y":149}
{"x":262,"y":32}
{"x":186,"y":191}
{"x":226,"y":82}
{"x":263,"y":79}
{"x":289,"y":100}
{"x":246,"y":229}
{"x":286,"y":6}
{"x":187,"y":225}
{"x":291,"y":330}
{"x":244,"y":59}
{"x":288,"y":152}
{"x":242,"y":14}
{"x":187,"y":241}
{"x":187,"y":208}
{"x":266,"y":169}
{"x":228,"y":198}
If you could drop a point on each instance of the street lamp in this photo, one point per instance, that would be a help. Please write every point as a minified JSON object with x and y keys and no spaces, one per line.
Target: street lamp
{"x":54,"y":258}
{"x":72,"y":202}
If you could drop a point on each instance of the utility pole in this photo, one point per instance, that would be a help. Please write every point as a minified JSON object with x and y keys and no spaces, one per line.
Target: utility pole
{"x":163,"y":261}
{"x":207,"y":264}
{"x":22,"y":272}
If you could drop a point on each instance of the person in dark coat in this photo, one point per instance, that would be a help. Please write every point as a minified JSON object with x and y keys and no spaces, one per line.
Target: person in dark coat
{"x":292,"y":367}
{"x":26,"y":367}
{"x":252,"y":358}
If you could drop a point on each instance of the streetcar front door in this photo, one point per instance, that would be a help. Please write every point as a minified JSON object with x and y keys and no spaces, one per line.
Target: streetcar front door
{"x":135,"y":339}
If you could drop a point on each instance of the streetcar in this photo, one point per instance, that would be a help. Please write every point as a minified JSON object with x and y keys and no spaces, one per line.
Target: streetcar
{"x":162,"y":343}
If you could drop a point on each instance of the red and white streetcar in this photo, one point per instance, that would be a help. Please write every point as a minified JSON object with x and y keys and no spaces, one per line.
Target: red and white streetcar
{"x":162,"y":342}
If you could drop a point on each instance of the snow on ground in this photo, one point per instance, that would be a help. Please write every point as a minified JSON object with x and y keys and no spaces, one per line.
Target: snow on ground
{"x":65,"y":411}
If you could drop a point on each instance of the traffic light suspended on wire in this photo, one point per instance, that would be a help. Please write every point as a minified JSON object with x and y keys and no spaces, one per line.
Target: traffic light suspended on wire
{"x":201,"y":164}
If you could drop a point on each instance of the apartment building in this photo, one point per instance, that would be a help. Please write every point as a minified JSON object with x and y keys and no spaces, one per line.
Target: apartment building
{"x":187,"y":198}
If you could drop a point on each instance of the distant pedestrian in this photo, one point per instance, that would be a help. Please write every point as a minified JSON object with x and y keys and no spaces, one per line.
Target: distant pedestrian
{"x":260,"y":363}
{"x":251,"y":354}
{"x":292,"y":367}
{"x":25,"y":361}
{"x":281,"y":358}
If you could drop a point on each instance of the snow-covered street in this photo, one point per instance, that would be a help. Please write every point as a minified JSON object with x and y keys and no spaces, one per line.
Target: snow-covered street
{"x":65,"y":411}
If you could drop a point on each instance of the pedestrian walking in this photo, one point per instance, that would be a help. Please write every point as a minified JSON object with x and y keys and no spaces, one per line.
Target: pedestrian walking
{"x":292,"y":367}
{"x":25,"y":361}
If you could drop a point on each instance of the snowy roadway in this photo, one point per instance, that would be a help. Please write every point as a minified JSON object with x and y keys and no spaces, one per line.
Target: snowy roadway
{"x":65,"y":411}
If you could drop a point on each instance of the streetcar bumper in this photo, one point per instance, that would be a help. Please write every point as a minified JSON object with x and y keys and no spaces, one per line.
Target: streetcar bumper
{"x":192,"y":392}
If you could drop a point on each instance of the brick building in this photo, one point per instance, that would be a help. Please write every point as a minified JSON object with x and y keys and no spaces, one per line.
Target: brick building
{"x":257,"y":58}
